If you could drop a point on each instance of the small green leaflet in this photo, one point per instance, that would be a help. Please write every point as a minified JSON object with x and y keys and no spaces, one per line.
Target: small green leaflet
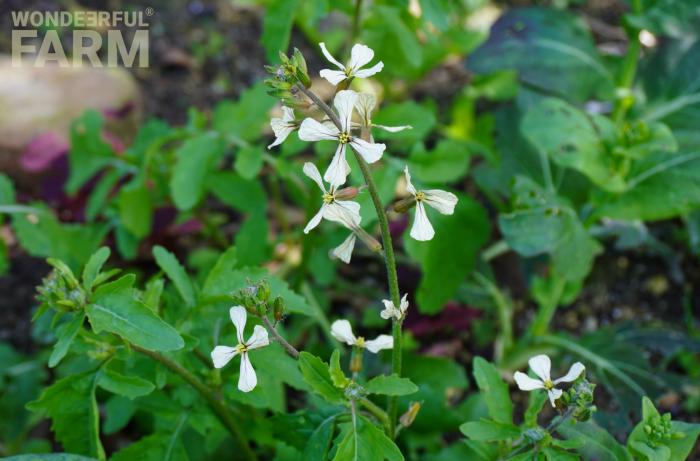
{"x":127,"y":386}
{"x":176,"y":273}
{"x":391,"y":385}
{"x":494,"y":390}
{"x":317,"y":376}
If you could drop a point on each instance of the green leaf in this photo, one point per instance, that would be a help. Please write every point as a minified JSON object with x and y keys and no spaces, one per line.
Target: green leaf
{"x":316,"y":375}
{"x":89,"y":153}
{"x":135,"y":208}
{"x":238,"y":193}
{"x":277,"y":27}
{"x":448,"y":258}
{"x":70,"y":403}
{"x":536,"y":401}
{"x":66,"y":333}
{"x":249,"y":161}
{"x":155,"y":447}
{"x":494,"y":391}
{"x":446,"y":163}
{"x":127,"y":386}
{"x":318,"y":444}
{"x":243,"y":119}
{"x":391,"y":385}
{"x":194,"y":160}
{"x":597,"y":442}
{"x":251,"y":240}
{"x":99,"y":195}
{"x":486,"y":430}
{"x":365,"y":442}
{"x":94,"y":266}
{"x":420,"y":116}
{"x":49,"y":457}
{"x":176,"y":273}
{"x":570,"y":139}
{"x":337,"y":376}
{"x":120,"y":313}
{"x":551,"y":49}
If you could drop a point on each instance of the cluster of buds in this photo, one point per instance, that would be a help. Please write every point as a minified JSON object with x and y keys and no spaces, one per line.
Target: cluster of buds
{"x":659,"y":430}
{"x":256,"y":300}
{"x":61,"y":290}
{"x":579,"y":400}
{"x":286,"y":75}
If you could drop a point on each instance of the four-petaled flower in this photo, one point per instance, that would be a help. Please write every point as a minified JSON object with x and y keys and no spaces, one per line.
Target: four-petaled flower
{"x":342,"y":331}
{"x":359,"y":56}
{"x":542,"y":366}
{"x":221,"y":355}
{"x":282,"y":127}
{"x":442,"y":201}
{"x":312,"y":130}
{"x":392,"y":311}
{"x":345,"y":212}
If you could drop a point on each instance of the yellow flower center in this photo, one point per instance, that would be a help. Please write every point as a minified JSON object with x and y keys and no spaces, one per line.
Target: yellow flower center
{"x":420,"y":196}
{"x":241,"y":348}
{"x":344,"y":138}
{"x":360,"y":341}
{"x":548,"y":385}
{"x":328,"y":198}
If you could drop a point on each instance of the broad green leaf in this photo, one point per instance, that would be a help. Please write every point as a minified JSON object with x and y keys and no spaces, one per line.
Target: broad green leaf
{"x":319,"y":442}
{"x":155,"y":447}
{"x":487,"y":430}
{"x":536,"y":401}
{"x":390,"y":385}
{"x":240,"y":194}
{"x":337,"y":376}
{"x":135,"y":208}
{"x":251,"y":240}
{"x":446,"y":163}
{"x":317,"y":376}
{"x":494,"y":390}
{"x":277,"y":26}
{"x":567,"y":136}
{"x":94,"y":266}
{"x":127,"y":386}
{"x":597,"y":442}
{"x":49,"y":457}
{"x":194,"y":161}
{"x":244,"y":118}
{"x":420,"y":116}
{"x":100,"y":194}
{"x":119,"y":312}
{"x":365,"y":442}
{"x":176,"y":273}
{"x":551,"y":49}
{"x":66,"y":333}
{"x":89,"y":152}
{"x":70,"y":403}
{"x":449,"y":257}
{"x":249,"y":161}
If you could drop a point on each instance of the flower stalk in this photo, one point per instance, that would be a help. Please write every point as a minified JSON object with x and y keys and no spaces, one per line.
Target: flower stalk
{"x":291,"y":350}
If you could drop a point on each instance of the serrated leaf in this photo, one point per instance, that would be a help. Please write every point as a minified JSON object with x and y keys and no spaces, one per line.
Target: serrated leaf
{"x":127,"y":386}
{"x":494,"y":391}
{"x":337,"y":376}
{"x":390,"y":385}
{"x":176,"y":273}
{"x":66,"y":333}
{"x":89,"y":153}
{"x":135,"y":208}
{"x":317,"y":376}
{"x":365,"y":442}
{"x":195,"y":159}
{"x":94,"y":266}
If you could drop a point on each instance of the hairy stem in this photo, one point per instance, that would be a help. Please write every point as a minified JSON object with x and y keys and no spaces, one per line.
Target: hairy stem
{"x":553,"y":424}
{"x":212,"y":400}
{"x":389,"y":258}
{"x":291,"y":350}
{"x":629,"y":70}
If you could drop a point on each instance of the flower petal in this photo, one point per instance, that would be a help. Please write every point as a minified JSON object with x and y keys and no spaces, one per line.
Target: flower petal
{"x":409,"y":185}
{"x":365,"y":104}
{"x":247,"y":379}
{"x":287,"y":114}
{"x":238,"y":317}
{"x":364,"y":73}
{"x":315,"y":220}
{"x":312,"y":130}
{"x":441,"y":200}
{"x":311,"y":171}
{"x":404,"y":303}
{"x":525,"y":383}
{"x":393,"y":129}
{"x":339,"y":169}
{"x":345,"y":212}
{"x":542,"y":366}
{"x":371,"y":152}
{"x":330,"y":57}
{"x":344,"y":250}
{"x":282,"y":131}
{"x":553,"y":395}
{"x":344,"y":103}
{"x":258,"y":339}
{"x":389,"y":310}
{"x":221,"y":355}
{"x":342,"y":331}
{"x":333,"y":76}
{"x":573,"y":373}
{"x":380,"y":342}
{"x":359,"y":56}
{"x":422,"y":230}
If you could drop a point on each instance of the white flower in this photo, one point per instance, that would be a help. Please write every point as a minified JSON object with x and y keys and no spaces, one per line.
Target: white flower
{"x":442,"y":201}
{"x":541,"y":366}
{"x":342,"y":331}
{"x":365,"y":104}
{"x":391,"y":311}
{"x":345,"y":212}
{"x":221,"y":355}
{"x":344,"y":250}
{"x":282,"y":127}
{"x":359,"y":56}
{"x":312,"y":130}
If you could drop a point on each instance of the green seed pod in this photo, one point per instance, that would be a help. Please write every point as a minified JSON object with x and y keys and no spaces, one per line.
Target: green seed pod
{"x":278,"y":309}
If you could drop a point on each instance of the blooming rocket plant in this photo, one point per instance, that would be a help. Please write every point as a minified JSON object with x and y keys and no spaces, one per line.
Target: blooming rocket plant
{"x":443,"y":201}
{"x":342,"y":331}
{"x":541,"y":365}
{"x":360,"y":55}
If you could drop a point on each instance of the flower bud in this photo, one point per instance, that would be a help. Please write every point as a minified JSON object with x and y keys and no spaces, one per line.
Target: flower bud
{"x":407,"y":418}
{"x":346,"y":193}
{"x":278,"y":308}
{"x":263,"y":291}
{"x":356,"y":361}
{"x":402,"y":206}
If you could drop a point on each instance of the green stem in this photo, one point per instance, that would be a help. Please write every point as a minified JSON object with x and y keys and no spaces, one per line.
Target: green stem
{"x":291,"y":350}
{"x":356,"y":20}
{"x":214,"y":403}
{"x":375,"y":410}
{"x":546,"y":310}
{"x":504,"y":311}
{"x":628,"y":71}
